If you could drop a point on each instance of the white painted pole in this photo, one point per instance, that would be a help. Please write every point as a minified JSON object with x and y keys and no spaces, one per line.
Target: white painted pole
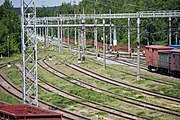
{"x":170,"y":30}
{"x":104,"y":49}
{"x":138,"y":48}
{"x":129,"y":39}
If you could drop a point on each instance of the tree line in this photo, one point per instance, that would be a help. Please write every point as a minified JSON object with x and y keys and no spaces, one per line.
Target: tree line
{"x":9,"y":30}
{"x":153,"y":29}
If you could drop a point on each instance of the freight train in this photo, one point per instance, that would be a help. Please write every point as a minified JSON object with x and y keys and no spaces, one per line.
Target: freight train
{"x":163,"y":59}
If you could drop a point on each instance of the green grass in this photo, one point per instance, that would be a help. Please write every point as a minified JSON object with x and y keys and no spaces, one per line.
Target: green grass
{"x":101,"y":98}
{"x":8,"y":98}
{"x":147,"y":84}
{"x":7,"y":59}
{"x":86,"y":93}
{"x":14,"y":75}
{"x":53,"y":98}
{"x":175,"y":91}
{"x":107,"y":86}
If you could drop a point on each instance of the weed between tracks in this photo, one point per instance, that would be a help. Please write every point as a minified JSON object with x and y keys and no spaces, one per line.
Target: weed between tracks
{"x":5,"y":59}
{"x":88,"y":94}
{"x":147,"y":84}
{"x":8,"y":98}
{"x":112,"y":88}
{"x":16,"y":77}
{"x":100,"y":84}
{"x":80,"y":91}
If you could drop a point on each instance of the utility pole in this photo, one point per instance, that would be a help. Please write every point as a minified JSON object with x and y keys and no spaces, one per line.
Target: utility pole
{"x":106,"y":43}
{"x":64,"y":34}
{"x":52,"y":32}
{"x":83,"y":37}
{"x":110,"y":32}
{"x":176,"y":37}
{"x":95,"y":34}
{"x":79,"y":46}
{"x":104,"y":52}
{"x":45,"y":34}
{"x":8,"y":44}
{"x":148,"y":34}
{"x":40,"y":31}
{"x":29,"y":54}
{"x":129,"y":39}
{"x":138,"y":47}
{"x":170,"y":30}
{"x":61,"y":40}
{"x":68,"y":36}
{"x":114,"y":37}
{"x":75,"y":29}
{"x":59,"y":35}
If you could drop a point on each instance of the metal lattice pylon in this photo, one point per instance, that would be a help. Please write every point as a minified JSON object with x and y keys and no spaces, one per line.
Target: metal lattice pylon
{"x":29,"y":53}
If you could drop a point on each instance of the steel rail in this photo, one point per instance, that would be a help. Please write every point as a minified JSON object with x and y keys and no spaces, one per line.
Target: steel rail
{"x":144,"y":104}
{"x":118,"y":83}
{"x":124,"y":116}
{"x":73,"y":115}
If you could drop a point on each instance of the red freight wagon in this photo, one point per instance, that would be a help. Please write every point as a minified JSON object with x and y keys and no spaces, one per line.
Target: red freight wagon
{"x":22,"y":112}
{"x":152,"y":55}
{"x":175,"y":61}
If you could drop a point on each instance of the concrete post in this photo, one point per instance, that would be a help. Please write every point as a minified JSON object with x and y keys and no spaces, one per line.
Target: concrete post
{"x":75,"y":32}
{"x":138,"y":48}
{"x":61,"y":40}
{"x":95,"y":37}
{"x":129,"y":39}
{"x":83,"y":40}
{"x":40,"y":32}
{"x":68,"y":35}
{"x":170,"y":30}
{"x":79,"y":45}
{"x":47,"y":35}
{"x":110,"y":33}
{"x":52,"y":32}
{"x":104,"y":49}
{"x":59,"y":36}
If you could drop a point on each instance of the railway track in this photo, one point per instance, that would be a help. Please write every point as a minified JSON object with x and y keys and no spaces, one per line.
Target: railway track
{"x":5,"y":63}
{"x":95,"y":105}
{"x":119,"y":60}
{"x":119,"y":83}
{"x":125,"y":62}
{"x":113,"y":95}
{"x":142,"y":76}
{"x":16,"y":92}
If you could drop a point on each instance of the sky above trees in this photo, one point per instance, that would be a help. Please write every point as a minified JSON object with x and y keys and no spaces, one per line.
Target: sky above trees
{"x":39,"y":3}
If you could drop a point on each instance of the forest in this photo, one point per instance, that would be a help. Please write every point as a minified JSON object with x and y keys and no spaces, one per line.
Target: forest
{"x":10,"y":30}
{"x":153,"y":29}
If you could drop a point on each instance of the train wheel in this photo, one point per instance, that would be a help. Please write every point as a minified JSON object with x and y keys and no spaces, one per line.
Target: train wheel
{"x":150,"y":68}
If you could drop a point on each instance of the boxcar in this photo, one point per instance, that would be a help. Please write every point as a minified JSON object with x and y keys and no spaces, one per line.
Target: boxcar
{"x":175,"y":46}
{"x":26,"y":112}
{"x":175,"y":62}
{"x":164,"y":61}
{"x":152,"y":55}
